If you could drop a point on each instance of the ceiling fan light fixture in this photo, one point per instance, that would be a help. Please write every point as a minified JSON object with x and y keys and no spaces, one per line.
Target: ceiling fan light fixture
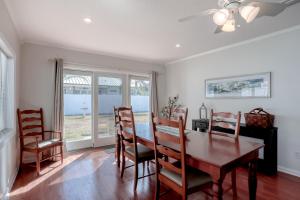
{"x":249,"y":13}
{"x":229,"y":26}
{"x":220,"y":17}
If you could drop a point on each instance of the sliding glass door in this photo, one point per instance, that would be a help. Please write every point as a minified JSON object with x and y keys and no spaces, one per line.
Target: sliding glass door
{"x":89,"y":99}
{"x":109,"y":92}
{"x":78,"y":109}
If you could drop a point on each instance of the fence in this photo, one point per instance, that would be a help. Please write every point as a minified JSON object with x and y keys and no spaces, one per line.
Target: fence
{"x":80,"y":104}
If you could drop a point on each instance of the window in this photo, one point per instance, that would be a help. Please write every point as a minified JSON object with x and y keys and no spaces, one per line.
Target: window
{"x":140,"y":98}
{"x":3,"y":88}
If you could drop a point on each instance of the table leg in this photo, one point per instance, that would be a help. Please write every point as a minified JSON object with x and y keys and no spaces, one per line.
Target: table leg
{"x":218,"y":185}
{"x":118,"y":149}
{"x":233,"y":182}
{"x":252,"y":180}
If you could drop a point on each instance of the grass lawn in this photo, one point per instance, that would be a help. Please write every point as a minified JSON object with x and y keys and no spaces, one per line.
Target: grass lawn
{"x":79,"y":127}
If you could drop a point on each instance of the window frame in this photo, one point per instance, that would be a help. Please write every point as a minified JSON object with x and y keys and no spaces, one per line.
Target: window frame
{"x":9,"y":111}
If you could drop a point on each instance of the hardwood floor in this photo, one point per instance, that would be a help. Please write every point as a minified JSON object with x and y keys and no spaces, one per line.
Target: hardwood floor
{"x":92,"y":174}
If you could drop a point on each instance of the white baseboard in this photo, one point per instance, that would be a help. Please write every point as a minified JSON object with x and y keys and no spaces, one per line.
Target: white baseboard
{"x":289,"y":171}
{"x":10,"y":184}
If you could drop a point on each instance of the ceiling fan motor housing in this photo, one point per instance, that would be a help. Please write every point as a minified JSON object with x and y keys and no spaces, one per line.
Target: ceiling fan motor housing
{"x":229,"y":4}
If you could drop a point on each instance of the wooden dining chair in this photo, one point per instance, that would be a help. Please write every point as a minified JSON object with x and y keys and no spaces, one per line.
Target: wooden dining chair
{"x":118,"y":136}
{"x":220,"y":121}
{"x":175,"y":175}
{"x":31,"y":125}
{"x":180,"y":112}
{"x":118,"y":132}
{"x":130,"y":148}
{"x":224,"y":120}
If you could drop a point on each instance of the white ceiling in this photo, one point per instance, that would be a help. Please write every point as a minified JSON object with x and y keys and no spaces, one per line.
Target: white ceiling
{"x":138,"y":29}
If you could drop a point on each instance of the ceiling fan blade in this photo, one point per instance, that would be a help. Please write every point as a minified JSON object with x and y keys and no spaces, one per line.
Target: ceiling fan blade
{"x":269,"y":9}
{"x":188,"y":18}
{"x":191,"y":17}
{"x":290,"y":2}
{"x":218,"y":30}
{"x":209,"y":11}
{"x":286,"y":2}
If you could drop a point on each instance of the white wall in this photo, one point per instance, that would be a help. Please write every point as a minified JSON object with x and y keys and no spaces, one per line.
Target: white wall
{"x":9,"y":144}
{"x":37,"y":78}
{"x":278,"y":54}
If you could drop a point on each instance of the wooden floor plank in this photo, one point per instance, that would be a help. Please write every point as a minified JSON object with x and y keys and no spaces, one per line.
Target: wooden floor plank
{"x":92,"y":174}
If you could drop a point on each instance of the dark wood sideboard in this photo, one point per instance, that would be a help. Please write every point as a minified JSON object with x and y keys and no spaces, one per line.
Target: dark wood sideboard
{"x":267,"y":165}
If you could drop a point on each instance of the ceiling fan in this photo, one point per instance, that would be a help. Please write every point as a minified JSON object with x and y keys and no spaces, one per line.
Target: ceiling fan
{"x":230,"y":11}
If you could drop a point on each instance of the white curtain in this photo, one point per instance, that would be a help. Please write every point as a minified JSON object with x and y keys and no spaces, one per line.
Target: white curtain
{"x":154,"y":95}
{"x":58,"y":96}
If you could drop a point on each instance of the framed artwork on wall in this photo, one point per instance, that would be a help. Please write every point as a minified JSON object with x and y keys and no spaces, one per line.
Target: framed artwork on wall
{"x":245,"y":86}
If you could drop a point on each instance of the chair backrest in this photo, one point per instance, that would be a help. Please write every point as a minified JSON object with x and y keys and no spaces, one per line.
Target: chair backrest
{"x":163,"y":139}
{"x":225,"y":120}
{"x":116,"y":116}
{"x":31,"y":123}
{"x":127,"y":127}
{"x":180,"y":112}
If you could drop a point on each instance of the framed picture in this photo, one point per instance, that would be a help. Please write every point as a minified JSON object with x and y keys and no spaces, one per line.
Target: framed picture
{"x":246,"y":86}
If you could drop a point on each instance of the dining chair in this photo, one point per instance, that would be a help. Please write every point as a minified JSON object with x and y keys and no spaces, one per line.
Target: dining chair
{"x":118,"y":137}
{"x":224,"y":120}
{"x":180,"y":112}
{"x":118,"y":132}
{"x":220,"y":121}
{"x":130,"y":148}
{"x":176,"y":175}
{"x":31,"y":125}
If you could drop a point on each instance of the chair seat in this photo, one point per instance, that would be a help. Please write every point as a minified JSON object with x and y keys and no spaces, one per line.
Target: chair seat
{"x":43,"y":144}
{"x":143,"y":151}
{"x":195,"y":178}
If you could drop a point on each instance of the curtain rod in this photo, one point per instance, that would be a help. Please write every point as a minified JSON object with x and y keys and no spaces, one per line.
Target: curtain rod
{"x":89,"y":67}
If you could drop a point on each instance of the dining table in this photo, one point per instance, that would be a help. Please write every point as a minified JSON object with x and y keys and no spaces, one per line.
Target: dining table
{"x":214,"y":154}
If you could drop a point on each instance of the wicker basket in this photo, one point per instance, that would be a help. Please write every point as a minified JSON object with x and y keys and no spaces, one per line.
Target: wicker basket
{"x":258,"y":117}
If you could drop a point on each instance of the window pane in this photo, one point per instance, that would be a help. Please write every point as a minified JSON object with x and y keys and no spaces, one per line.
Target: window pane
{"x":139,"y":98}
{"x":77,"y":107}
{"x":1,"y":93}
{"x":3,"y":80}
{"x":110,"y":94}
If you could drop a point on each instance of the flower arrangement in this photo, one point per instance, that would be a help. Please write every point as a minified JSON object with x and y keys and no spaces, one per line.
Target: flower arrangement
{"x":168,"y":110}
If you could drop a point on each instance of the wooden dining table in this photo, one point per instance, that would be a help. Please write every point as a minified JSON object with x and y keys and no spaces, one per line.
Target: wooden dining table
{"x":214,"y":154}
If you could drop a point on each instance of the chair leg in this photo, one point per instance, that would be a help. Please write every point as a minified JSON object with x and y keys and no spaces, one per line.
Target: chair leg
{"x":38,"y":164}
{"x":117,"y":150}
{"x":123,"y":164}
{"x":55,"y":152}
{"x":143,"y":168}
{"x":136,"y":173}
{"x":21,"y":158}
{"x":61,"y":154}
{"x":157,"y":190}
{"x":233,"y":182}
{"x":52,"y":153}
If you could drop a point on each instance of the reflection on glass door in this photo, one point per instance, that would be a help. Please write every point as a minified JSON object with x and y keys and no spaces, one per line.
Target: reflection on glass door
{"x":109,"y":94}
{"x":77,"y":109}
{"x":140,"y":98}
